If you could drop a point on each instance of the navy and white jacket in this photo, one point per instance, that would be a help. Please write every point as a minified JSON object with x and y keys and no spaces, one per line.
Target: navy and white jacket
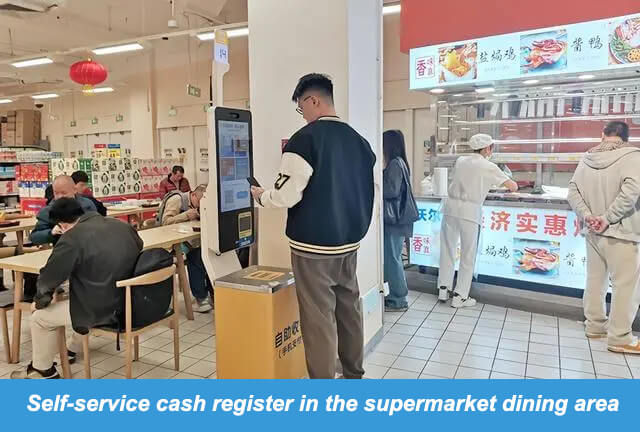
{"x":326,"y":181}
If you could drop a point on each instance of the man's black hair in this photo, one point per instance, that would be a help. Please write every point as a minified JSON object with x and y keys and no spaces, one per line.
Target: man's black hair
{"x":65,"y":210}
{"x":313,"y":81}
{"x":177,"y":169}
{"x":80,"y":177}
{"x":617,"y":129}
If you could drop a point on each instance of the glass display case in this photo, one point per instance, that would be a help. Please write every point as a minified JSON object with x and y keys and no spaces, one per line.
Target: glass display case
{"x":541,"y":132}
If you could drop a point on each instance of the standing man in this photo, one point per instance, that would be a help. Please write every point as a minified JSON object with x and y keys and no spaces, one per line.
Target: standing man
{"x":604,"y":193}
{"x":175,"y":181}
{"x":326,"y":182}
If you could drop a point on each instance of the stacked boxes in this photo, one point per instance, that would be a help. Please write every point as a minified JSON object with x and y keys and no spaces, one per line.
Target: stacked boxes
{"x":33,"y":179}
{"x":8,"y":187}
{"x":153,"y":171}
{"x":115,"y":176}
{"x":22,"y":128}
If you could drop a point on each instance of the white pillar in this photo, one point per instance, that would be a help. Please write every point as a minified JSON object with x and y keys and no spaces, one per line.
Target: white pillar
{"x":142,"y":104}
{"x":342,"y":38}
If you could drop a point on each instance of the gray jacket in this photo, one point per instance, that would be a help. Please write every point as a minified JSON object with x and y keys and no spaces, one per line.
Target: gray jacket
{"x":608,"y":184}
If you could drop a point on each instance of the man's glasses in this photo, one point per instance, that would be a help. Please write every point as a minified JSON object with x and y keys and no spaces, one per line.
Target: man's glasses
{"x":299,"y":110}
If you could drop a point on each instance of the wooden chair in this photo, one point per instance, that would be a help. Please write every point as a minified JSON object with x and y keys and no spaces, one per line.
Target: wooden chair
{"x":171,"y":319}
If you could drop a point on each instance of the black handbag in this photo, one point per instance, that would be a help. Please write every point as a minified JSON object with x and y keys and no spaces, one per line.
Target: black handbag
{"x":402,"y":210}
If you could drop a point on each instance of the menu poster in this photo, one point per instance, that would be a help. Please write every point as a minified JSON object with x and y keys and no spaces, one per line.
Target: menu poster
{"x":535,"y":245}
{"x":574,"y":48}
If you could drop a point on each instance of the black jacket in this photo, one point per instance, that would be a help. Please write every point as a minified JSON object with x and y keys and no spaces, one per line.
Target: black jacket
{"x":335,"y":211}
{"x":394,"y":185}
{"x":93,"y":255}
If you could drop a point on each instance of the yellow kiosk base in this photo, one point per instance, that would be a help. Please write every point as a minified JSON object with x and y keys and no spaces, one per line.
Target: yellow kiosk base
{"x":258,"y":325}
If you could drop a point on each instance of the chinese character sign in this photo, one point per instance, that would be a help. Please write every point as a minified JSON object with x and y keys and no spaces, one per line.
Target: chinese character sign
{"x":573,"y":48}
{"x":535,"y":245}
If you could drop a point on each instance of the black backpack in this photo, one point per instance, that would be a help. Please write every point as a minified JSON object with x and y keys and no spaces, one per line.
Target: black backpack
{"x":150,"y":303}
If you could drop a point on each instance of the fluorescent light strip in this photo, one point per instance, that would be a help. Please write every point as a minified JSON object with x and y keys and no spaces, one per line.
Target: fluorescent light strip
{"x":485,"y":90}
{"x":550,"y":119}
{"x":391,"y":9}
{"x":5,"y":101}
{"x":437,"y":90}
{"x":45,"y":96}
{"x":237,"y":32}
{"x":206,"y":36}
{"x":99,"y":90}
{"x":33,"y":62}
{"x":117,"y":49}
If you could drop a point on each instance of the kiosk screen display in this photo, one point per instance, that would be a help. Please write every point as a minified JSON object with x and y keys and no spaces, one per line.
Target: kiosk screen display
{"x":233,"y":157}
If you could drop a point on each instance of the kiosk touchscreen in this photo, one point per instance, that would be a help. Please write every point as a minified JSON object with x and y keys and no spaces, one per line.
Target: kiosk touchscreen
{"x":234,"y":161}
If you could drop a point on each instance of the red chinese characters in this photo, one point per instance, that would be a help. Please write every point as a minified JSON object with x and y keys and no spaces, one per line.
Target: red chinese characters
{"x":421,"y":245}
{"x":425,"y":67}
{"x":500,"y":221}
{"x":555,"y":225}
{"x":527,"y":223}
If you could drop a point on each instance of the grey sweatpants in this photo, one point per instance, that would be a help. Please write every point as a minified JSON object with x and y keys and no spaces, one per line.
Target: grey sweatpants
{"x":330,"y":314}
{"x":619,"y":260}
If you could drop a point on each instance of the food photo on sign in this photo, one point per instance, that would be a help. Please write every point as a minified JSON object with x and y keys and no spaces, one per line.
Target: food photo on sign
{"x":458,"y":63}
{"x":536,"y":257}
{"x":624,"y":41}
{"x":543,"y":52}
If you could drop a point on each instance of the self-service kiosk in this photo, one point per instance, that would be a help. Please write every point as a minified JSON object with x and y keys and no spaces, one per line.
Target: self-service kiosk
{"x":257,"y":320}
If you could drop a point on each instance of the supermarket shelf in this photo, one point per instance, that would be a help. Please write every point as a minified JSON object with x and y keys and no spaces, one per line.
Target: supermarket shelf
{"x":9,"y":195}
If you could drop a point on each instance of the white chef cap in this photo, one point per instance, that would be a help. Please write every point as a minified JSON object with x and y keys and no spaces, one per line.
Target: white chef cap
{"x":480,"y":141}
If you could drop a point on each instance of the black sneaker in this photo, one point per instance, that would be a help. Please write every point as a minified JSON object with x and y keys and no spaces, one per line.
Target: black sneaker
{"x":72,"y":356}
{"x":33,"y":373}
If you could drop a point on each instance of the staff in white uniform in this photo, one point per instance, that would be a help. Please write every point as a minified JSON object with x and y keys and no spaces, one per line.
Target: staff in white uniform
{"x":473,"y":177}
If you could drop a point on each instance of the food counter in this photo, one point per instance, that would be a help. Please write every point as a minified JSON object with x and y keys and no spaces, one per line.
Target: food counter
{"x":527,"y":242}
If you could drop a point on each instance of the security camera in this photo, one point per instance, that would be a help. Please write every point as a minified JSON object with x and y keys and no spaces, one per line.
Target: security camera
{"x":39,"y":105}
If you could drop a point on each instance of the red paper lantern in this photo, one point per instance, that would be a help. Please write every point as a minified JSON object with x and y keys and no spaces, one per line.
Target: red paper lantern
{"x":88,"y":73}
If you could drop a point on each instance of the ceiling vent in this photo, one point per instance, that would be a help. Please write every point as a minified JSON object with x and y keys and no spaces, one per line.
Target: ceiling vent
{"x":32,"y":6}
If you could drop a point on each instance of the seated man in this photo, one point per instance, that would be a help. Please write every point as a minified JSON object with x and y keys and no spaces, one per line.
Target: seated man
{"x":178,"y":207}
{"x":46,"y":231}
{"x":175,"y":181}
{"x":93,"y":253}
{"x":81,"y":180}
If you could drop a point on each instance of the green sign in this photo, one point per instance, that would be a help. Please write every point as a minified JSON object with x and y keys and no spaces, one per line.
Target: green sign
{"x":94,"y":121}
{"x":193,"y":91}
{"x":119,"y":117}
{"x":73,"y":123}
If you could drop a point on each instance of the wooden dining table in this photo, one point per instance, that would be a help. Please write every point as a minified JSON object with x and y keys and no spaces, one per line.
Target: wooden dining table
{"x":164,"y":237}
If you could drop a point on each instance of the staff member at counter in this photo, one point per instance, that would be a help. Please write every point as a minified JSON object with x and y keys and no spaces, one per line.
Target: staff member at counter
{"x":473,"y":177}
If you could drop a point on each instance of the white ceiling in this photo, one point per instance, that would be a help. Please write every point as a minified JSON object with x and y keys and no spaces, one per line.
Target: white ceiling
{"x":90,"y":23}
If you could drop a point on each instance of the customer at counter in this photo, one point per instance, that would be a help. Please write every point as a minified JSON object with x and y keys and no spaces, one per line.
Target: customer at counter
{"x":175,"y":181}
{"x":45,"y":230}
{"x":326,"y":182}
{"x":85,"y":255}
{"x":473,"y":177}
{"x":179,"y":207}
{"x":604,"y":193}
{"x":400,"y":212}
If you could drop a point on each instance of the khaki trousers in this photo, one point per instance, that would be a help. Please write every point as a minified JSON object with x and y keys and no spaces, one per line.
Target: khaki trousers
{"x":44,"y":339}
{"x":618,"y":260}
{"x":330,"y":314}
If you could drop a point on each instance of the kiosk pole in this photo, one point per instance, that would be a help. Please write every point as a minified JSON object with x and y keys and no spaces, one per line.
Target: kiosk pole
{"x":217,"y":265}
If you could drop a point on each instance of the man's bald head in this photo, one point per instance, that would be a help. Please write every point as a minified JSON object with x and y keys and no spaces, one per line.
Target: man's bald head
{"x":64,"y":187}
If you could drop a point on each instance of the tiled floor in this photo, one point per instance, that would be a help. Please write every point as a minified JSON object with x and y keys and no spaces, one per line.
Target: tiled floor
{"x":433,"y":340}
{"x":430,"y":341}
{"x":197,"y":353}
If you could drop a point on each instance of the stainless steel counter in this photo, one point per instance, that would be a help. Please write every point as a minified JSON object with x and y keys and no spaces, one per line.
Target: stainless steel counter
{"x":516,"y":201}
